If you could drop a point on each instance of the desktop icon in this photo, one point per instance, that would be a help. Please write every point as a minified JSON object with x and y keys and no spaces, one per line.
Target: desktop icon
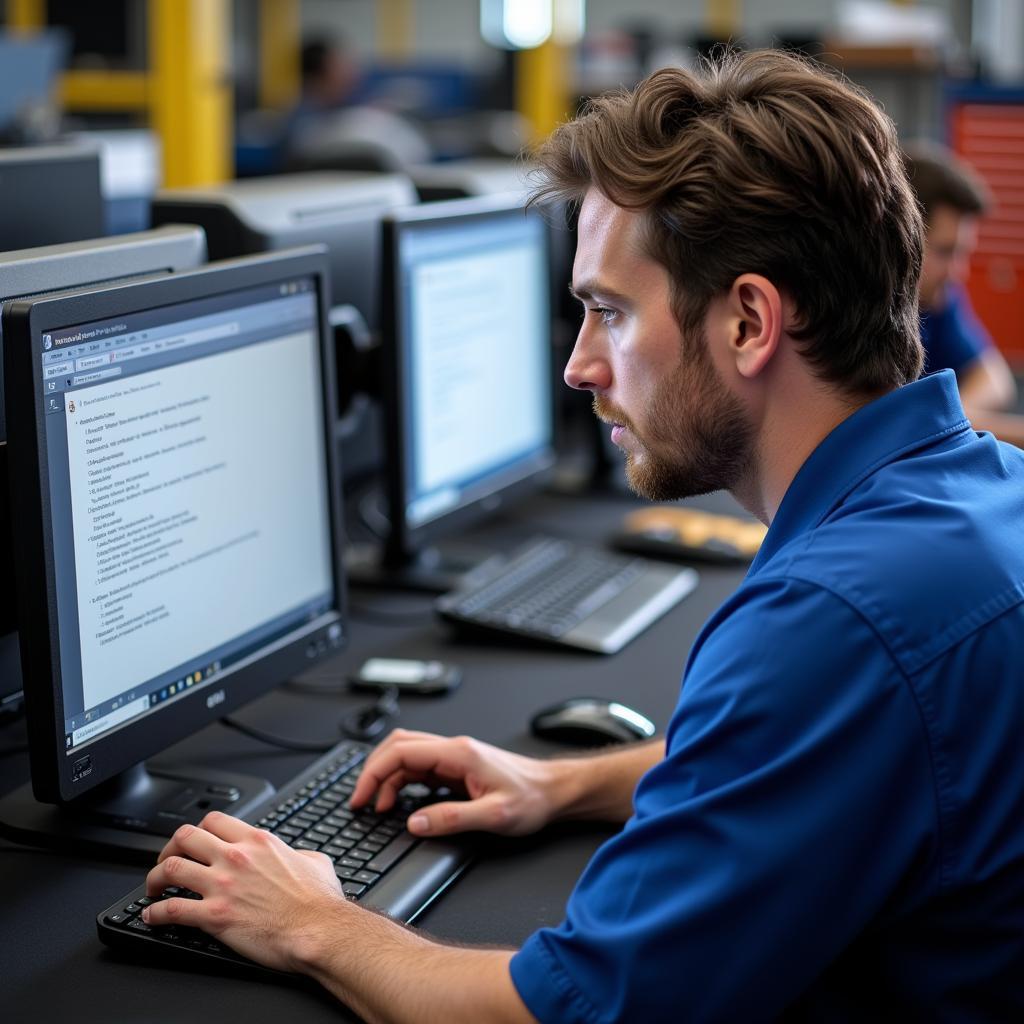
{"x":47,"y":341}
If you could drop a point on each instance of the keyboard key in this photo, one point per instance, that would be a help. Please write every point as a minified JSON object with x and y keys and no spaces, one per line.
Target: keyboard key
{"x":352,"y":888}
{"x":397,"y":848}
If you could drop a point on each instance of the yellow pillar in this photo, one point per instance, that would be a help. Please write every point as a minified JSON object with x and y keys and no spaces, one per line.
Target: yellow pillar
{"x":26,"y":15}
{"x":190,"y":97}
{"x":280,"y":47}
{"x":542,"y":86}
{"x":722,"y":18}
{"x":396,"y":29}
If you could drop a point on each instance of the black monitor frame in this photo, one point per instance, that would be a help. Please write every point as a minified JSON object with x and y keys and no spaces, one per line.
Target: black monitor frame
{"x":25,"y":322}
{"x":406,"y":543}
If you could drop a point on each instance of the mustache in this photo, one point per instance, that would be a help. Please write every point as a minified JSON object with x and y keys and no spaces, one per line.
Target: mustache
{"x":608,"y":412}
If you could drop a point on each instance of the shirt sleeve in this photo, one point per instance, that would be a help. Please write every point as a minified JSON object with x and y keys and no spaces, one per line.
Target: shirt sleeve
{"x":795,"y":792}
{"x":954,"y":336}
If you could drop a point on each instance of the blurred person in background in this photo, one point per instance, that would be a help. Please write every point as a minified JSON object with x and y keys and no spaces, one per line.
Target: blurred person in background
{"x":953,"y":199}
{"x":332,"y":129}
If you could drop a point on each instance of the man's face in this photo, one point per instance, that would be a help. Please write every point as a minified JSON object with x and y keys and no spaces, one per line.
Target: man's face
{"x":950,"y":240}
{"x":682,"y":430}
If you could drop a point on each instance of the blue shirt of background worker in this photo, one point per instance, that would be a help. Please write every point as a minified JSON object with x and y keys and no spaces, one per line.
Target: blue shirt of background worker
{"x":952,"y":335}
{"x":844,"y":766}
{"x":954,"y":199}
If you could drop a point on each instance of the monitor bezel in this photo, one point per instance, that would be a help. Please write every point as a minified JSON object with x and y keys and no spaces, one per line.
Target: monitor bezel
{"x":404,"y":540}
{"x":122,"y":749}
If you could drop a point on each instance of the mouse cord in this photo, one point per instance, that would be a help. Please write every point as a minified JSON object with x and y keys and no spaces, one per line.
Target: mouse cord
{"x":366,"y":723}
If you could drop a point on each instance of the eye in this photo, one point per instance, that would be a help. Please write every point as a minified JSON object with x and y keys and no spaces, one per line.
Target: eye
{"x":606,"y":314}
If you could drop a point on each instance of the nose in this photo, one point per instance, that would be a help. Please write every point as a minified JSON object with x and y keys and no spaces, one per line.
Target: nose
{"x":587,"y":369}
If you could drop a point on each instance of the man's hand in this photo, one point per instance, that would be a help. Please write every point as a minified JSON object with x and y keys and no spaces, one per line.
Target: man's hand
{"x":260,"y":897}
{"x":508,"y":793}
{"x":284,"y":908}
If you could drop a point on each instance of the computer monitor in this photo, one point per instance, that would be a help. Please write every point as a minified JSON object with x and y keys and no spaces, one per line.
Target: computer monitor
{"x":467,"y":368}
{"x":27,"y":272}
{"x":341,"y":210}
{"x":176,"y":529}
{"x":48,"y":195}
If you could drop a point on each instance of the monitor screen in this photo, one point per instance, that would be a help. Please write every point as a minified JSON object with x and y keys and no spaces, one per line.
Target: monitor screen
{"x":468,"y":351}
{"x":26,"y":272}
{"x":185,"y":492}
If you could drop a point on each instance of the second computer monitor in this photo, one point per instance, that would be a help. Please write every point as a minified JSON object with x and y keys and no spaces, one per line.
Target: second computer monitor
{"x":49,"y":195}
{"x":468,"y":367}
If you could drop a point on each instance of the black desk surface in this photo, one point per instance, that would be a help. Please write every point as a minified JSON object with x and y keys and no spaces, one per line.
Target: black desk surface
{"x":52,"y":965}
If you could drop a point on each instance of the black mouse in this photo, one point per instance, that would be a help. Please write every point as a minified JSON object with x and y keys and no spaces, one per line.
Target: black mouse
{"x":590,"y":721}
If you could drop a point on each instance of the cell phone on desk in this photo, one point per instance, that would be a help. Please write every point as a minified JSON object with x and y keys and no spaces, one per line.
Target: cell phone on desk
{"x":407,"y":675}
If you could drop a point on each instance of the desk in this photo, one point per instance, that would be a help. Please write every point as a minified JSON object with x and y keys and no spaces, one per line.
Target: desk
{"x":52,"y":964}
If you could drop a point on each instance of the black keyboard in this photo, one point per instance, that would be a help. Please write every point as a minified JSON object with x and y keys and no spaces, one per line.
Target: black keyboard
{"x":378,"y":861}
{"x":560,"y":592}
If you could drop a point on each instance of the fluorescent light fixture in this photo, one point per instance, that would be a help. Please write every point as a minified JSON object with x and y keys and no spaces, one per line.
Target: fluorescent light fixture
{"x":516,"y":24}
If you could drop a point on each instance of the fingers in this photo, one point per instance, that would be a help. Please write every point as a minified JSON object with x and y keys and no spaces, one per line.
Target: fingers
{"x":187,"y":913}
{"x":177,"y":870}
{"x":193,"y":841}
{"x":488,"y":814}
{"x":406,"y":752}
{"x":224,"y":826}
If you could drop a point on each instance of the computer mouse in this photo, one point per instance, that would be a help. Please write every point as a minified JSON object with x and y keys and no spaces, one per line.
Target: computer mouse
{"x":591,"y":721}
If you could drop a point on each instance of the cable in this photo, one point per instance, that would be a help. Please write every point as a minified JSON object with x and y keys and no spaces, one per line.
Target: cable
{"x":274,"y":741}
{"x":371,"y":515}
{"x":366,"y":723}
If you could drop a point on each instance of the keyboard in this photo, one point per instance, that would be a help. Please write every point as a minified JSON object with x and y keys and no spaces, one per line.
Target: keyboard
{"x":556,"y":591}
{"x":379,"y":863}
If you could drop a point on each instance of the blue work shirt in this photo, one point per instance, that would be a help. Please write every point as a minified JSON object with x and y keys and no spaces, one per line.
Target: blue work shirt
{"x":837,"y":829}
{"x":953,"y":337}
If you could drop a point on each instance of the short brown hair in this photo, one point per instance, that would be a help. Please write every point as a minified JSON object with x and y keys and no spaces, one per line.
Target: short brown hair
{"x":940,"y":178}
{"x":764,"y":162}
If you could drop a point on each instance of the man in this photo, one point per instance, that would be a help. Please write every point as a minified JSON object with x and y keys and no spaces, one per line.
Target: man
{"x":953,"y":198}
{"x":832,"y":826}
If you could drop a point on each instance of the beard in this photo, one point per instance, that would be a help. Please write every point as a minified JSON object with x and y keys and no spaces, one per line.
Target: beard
{"x":695,"y":438}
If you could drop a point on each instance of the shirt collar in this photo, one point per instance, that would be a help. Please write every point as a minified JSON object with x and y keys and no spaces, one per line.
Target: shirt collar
{"x":898,"y":422}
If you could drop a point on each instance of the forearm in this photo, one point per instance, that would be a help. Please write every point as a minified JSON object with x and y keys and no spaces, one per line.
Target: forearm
{"x":600,"y":787}
{"x":387,"y":973}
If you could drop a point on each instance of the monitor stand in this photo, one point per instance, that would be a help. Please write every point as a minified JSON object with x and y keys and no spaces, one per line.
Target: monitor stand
{"x":430,"y":571}
{"x":131,"y":816}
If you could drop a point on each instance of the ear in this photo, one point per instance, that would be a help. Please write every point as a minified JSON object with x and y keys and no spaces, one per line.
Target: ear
{"x":756,"y":323}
